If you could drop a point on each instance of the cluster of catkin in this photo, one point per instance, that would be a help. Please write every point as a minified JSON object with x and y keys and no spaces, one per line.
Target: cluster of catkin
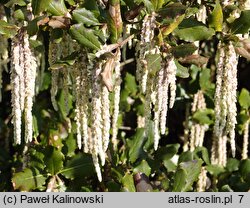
{"x":225,"y":103}
{"x":155,"y":87}
{"x":92,"y":81}
{"x":23,"y":75}
{"x":4,"y":58}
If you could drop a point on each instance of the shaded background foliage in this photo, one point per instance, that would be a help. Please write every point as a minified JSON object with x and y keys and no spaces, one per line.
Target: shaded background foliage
{"x":53,"y":156}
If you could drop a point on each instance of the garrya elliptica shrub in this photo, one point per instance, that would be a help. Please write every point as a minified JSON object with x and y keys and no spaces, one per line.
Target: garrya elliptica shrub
{"x":96,"y":95}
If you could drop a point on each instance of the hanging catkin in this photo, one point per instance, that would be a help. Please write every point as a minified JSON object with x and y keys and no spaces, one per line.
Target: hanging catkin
{"x":155,"y":87}
{"x":23,"y":74}
{"x":165,"y":84}
{"x":81,"y":92}
{"x":4,"y":57}
{"x":202,"y":180}
{"x":244,"y":154}
{"x":225,"y":99}
{"x":143,"y":47}
{"x":117,"y":89}
{"x":197,"y":132}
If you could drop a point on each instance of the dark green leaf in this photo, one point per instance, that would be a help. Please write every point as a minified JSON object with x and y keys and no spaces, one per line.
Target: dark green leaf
{"x":56,"y":7}
{"x":232,"y":164}
{"x":7,"y":29}
{"x":167,"y":152}
{"x":85,"y":16}
{"x":186,"y":174}
{"x":181,"y":70}
{"x":12,"y":3}
{"x":53,"y":160}
{"x":36,"y":6}
{"x":32,"y":27}
{"x":28,"y":180}
{"x":192,"y":30}
{"x":202,"y":152}
{"x":112,"y":186}
{"x":183,"y":50}
{"x":243,"y":117}
{"x":244,"y":169}
{"x":65,"y":103}
{"x":36,"y":159}
{"x":136,"y":144}
{"x":69,"y":145}
{"x":185,"y":156}
{"x":242,"y":24}
{"x":172,"y":11}
{"x":85,"y":36}
{"x":244,"y":99}
{"x":79,"y":166}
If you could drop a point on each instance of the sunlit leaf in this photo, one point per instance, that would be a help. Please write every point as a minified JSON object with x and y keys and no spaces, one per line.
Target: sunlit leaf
{"x":128,"y":183}
{"x":192,"y":30}
{"x":15,"y":2}
{"x":186,"y":174}
{"x":244,"y":98}
{"x":216,"y":17}
{"x":114,"y":20}
{"x":166,"y":30}
{"x":7,"y":29}
{"x":79,"y":166}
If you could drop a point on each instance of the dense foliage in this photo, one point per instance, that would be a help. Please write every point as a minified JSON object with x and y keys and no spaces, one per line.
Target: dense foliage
{"x":166,"y":81}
